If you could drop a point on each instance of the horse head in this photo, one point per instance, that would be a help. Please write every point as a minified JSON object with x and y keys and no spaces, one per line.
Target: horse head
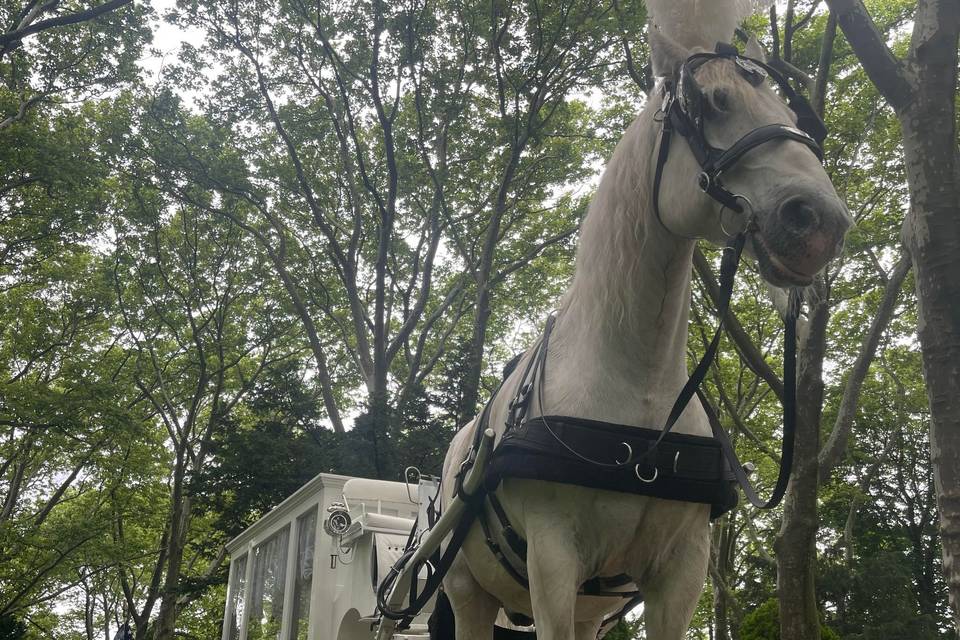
{"x":754,"y":147}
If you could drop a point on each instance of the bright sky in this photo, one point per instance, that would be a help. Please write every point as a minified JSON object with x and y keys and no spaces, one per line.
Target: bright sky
{"x":167,"y":39}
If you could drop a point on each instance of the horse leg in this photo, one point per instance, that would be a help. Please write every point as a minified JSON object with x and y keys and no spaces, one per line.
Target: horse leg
{"x":671,"y":598}
{"x":587,"y":630}
{"x":553,"y":567}
{"x":474,"y":610}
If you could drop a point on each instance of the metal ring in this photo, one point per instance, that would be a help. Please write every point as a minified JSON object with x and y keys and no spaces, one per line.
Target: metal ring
{"x":746,"y":201}
{"x":676,"y":458}
{"x":656,"y":472}
{"x":407,"y":483}
{"x":629,"y":454}
{"x":750,"y":217}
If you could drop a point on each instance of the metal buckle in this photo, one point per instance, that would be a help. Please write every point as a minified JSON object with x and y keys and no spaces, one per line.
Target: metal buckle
{"x":755,"y":74}
{"x":704,"y":181}
{"x":522,"y":397}
{"x":665,"y":107}
{"x":518,"y":406}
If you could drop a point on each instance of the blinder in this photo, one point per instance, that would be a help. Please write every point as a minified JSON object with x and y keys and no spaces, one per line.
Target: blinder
{"x":683,"y":111}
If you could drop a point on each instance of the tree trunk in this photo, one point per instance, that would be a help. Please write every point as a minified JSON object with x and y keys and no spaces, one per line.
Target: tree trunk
{"x":484,"y":275}
{"x":795,"y":544}
{"x":922,"y":90}
{"x":165,"y":625}
{"x":726,"y":610}
{"x":932,"y":233}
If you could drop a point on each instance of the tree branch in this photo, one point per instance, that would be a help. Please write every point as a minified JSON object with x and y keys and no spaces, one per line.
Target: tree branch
{"x":837,"y":442}
{"x":886,"y":71}
{"x":21,"y":111}
{"x":72,"y":18}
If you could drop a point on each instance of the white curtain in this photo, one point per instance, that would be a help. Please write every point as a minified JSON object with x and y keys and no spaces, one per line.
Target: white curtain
{"x":238,"y":592}
{"x":306,"y":548}
{"x":269,"y":578}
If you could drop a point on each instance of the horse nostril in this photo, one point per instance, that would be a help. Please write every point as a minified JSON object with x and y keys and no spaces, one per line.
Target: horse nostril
{"x":799,"y":216}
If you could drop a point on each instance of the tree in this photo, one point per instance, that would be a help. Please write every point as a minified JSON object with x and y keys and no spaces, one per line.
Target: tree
{"x":921,"y":88}
{"x":810,"y":59}
{"x":187,"y":290}
{"x":63,"y":415}
{"x":69,"y":51}
{"x":407,"y":123}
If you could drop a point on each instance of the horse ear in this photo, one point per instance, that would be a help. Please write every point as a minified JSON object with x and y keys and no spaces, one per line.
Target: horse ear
{"x":754,"y":49}
{"x":666,"y":54}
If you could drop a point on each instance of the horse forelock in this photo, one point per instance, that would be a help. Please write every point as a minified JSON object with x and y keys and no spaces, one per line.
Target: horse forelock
{"x":702,"y":23}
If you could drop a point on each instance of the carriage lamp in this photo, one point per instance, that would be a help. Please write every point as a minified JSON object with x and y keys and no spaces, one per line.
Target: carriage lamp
{"x":338,"y":521}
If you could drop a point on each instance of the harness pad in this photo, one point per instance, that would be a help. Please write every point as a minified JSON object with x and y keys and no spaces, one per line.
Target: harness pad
{"x":686,"y":468}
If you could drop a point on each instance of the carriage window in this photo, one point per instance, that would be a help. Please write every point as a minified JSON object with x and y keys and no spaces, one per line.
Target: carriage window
{"x":266,"y":595}
{"x":303,"y":581}
{"x":238,"y":596}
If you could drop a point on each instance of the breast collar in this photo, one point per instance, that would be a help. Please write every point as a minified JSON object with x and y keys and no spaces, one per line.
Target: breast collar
{"x":683,"y":112}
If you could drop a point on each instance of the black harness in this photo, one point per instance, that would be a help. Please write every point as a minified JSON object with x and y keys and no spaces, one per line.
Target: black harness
{"x":653,"y":462}
{"x":657,"y":462}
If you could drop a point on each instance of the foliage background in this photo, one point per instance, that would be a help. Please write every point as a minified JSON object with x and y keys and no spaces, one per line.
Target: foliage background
{"x":310,"y":241}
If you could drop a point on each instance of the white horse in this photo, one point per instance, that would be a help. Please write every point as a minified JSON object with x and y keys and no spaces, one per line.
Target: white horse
{"x":618,"y":354}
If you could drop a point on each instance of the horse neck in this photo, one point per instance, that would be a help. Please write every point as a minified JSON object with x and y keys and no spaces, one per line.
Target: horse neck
{"x":621,"y":331}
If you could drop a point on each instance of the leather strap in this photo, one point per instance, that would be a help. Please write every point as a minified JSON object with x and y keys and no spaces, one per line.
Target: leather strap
{"x":789,"y":423}
{"x":682,"y":112}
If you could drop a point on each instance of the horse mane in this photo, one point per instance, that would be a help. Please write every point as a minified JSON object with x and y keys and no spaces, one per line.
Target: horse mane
{"x":615,"y":231}
{"x":701,"y":23}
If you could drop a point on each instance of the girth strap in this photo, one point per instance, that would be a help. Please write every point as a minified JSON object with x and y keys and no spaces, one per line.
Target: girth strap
{"x":536,"y":370}
{"x":596,"y":586}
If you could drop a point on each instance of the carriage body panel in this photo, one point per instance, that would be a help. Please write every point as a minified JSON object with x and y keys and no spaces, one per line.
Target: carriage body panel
{"x":290,"y":579}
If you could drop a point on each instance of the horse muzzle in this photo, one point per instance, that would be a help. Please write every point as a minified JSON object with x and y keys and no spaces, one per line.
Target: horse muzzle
{"x":799,"y":238}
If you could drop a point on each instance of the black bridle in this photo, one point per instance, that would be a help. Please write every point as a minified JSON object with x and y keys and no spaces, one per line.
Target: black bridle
{"x":683,"y":112}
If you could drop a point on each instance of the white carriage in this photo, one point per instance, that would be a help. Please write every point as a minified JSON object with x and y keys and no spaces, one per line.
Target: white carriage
{"x":308,"y":569}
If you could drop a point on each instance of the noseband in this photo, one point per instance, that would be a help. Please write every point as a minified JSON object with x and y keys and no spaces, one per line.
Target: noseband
{"x":683,"y":109}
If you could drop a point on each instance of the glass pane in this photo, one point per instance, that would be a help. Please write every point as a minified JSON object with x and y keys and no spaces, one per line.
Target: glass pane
{"x":266,"y":594}
{"x":306,"y":539}
{"x":238,"y":595}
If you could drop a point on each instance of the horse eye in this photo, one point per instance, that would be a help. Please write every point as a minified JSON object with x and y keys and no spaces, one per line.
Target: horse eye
{"x":720,"y":99}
